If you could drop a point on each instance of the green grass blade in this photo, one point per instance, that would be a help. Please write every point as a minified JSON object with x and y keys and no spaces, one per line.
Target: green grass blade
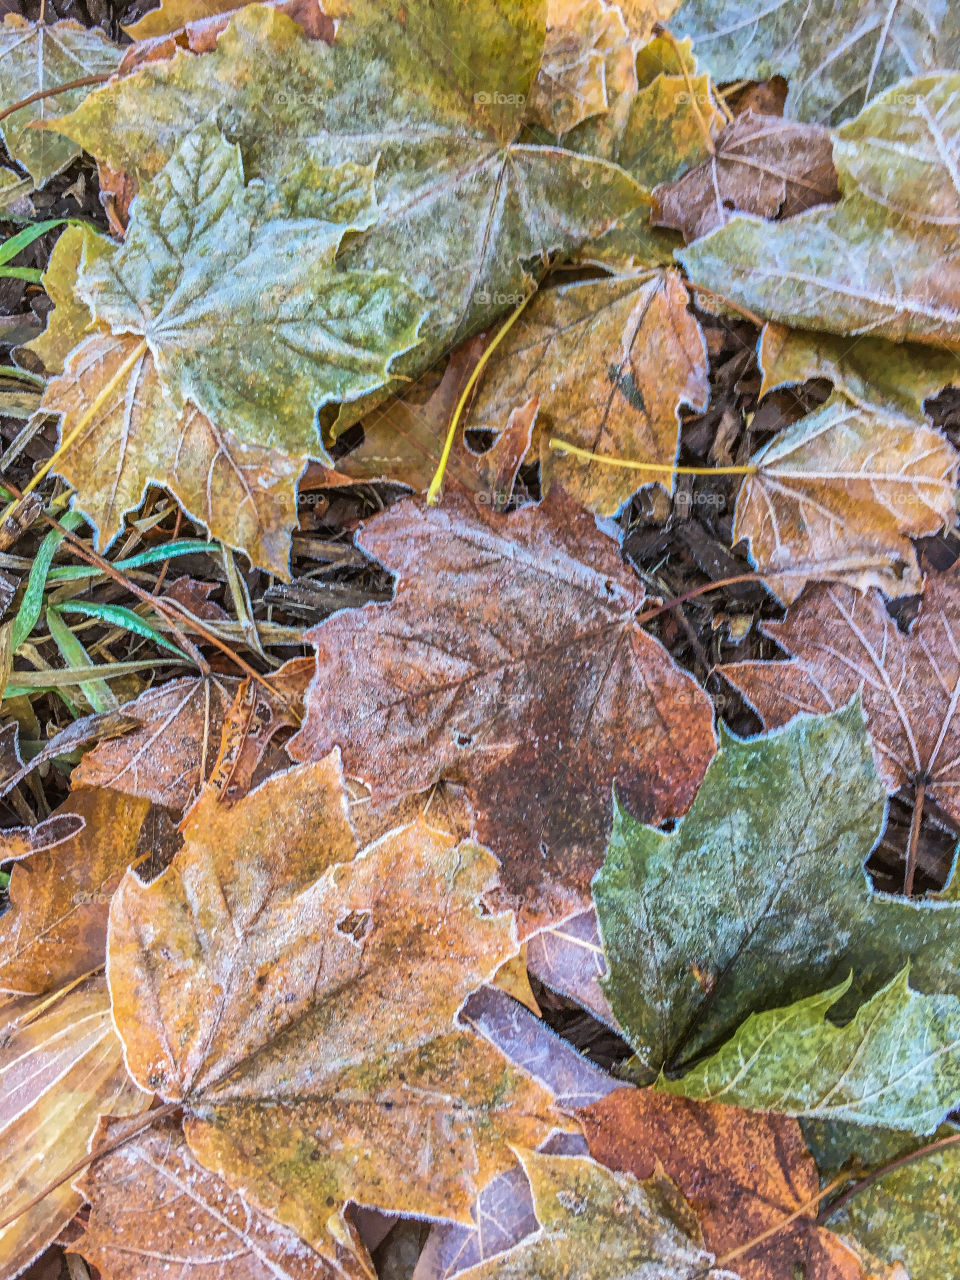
{"x":23,"y":239}
{"x":119,"y":616}
{"x":32,"y":602}
{"x":184,"y":547}
{"x":98,"y":692}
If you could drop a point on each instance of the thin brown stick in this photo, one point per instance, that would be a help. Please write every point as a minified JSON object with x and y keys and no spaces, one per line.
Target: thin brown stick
{"x":911,"y":867}
{"x":728,"y":302}
{"x":835,"y":1206}
{"x":649,"y":614}
{"x":144,"y":1122}
{"x":82,"y":83}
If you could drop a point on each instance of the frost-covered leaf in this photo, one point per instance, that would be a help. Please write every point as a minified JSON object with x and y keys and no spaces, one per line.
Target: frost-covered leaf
{"x":509,"y":660}
{"x":758,"y":897}
{"x":306,"y":1018}
{"x":836,"y":54}
{"x":70,"y":319}
{"x":35,"y":56}
{"x":13,"y":192}
{"x":843,"y":642}
{"x":896,"y":1063}
{"x":610,"y":362}
{"x":587,"y":65}
{"x":838,"y":496}
{"x":568,"y":957}
{"x":881,"y":262}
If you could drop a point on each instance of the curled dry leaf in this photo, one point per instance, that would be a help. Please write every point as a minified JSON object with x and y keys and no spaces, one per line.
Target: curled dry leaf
{"x":610,"y":362}
{"x":300,"y":1097}
{"x":568,"y":958}
{"x":762,"y":164}
{"x":198,"y":23}
{"x":743,"y":1172}
{"x":510,"y":661}
{"x":839,"y":495}
{"x":24,"y":842}
{"x":843,"y":642}
{"x":61,"y":1066}
{"x":55,"y":928}
{"x":586,"y":50}
{"x":153,"y":1206}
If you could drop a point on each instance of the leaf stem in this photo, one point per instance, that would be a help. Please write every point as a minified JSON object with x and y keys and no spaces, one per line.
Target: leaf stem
{"x":562,"y":446}
{"x":82,"y":83}
{"x":779,"y":1226}
{"x":433,"y":493}
{"x":911,"y":867}
{"x":836,"y":1205}
{"x":660,"y":30}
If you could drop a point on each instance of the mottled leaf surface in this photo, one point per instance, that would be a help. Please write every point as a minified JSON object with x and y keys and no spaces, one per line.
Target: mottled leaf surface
{"x":509,"y":660}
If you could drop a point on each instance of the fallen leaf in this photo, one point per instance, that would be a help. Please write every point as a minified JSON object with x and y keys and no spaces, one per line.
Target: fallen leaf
{"x":35,"y":56}
{"x":763,"y":165}
{"x":202,"y":21}
{"x":70,"y":319}
{"x":595,"y":1224}
{"x":758,"y":896}
{"x":13,"y":190}
{"x":510,"y":661}
{"x":55,"y":928}
{"x":895,"y":1064}
{"x":838,"y":495}
{"x":24,"y":842}
{"x":586,"y":53}
{"x":890,"y":377}
{"x":61,"y":1065}
{"x":879,"y":263}
{"x":568,"y":958}
{"x":836,"y":58}
{"x":610,"y":362}
{"x":450,"y":173}
{"x":301,"y":1099}
{"x":843,"y":642}
{"x":153,"y":1206}
{"x":244,"y":494}
{"x":743,"y":1172}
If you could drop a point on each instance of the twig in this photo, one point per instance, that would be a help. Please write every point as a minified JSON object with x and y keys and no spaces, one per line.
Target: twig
{"x":82,"y":83}
{"x":749,"y":1245}
{"x":562,"y":446}
{"x":911,"y":867}
{"x":836,"y":1205}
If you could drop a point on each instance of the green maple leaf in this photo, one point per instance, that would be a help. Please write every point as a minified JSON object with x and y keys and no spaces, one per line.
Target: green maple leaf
{"x":34,"y":57}
{"x":881,"y":262}
{"x":239,"y":298}
{"x":430,"y":91}
{"x":896,"y":1063}
{"x":836,"y":55}
{"x":758,"y":897}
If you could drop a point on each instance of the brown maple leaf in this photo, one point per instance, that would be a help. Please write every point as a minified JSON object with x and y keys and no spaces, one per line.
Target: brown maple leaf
{"x":742,"y":1171}
{"x":843,"y":642}
{"x":763,"y":165}
{"x":299,"y":999}
{"x":510,"y":660}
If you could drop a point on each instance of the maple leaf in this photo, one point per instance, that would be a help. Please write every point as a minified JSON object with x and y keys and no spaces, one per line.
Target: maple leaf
{"x":35,"y":57}
{"x":889,"y":377}
{"x":758,"y":897}
{"x":70,"y":319}
{"x":597,"y":1224}
{"x":61,"y":1065}
{"x":843,"y":642}
{"x":313,"y":1029}
{"x":153,"y":1205}
{"x":55,"y":928}
{"x":509,"y":660}
{"x":611,"y":362}
{"x":838,"y":496}
{"x":896,"y":1063}
{"x":763,"y":165}
{"x":742,"y":1171}
{"x":434,"y":96}
{"x":835,"y":57}
{"x":880,"y":262}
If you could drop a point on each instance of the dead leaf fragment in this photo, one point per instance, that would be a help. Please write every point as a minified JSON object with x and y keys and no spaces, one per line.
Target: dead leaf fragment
{"x":763,"y":165}
{"x":842,"y":642}
{"x":300,"y":1097}
{"x":741,"y":1171}
{"x":586,"y":50}
{"x":509,"y":660}
{"x":55,"y":928}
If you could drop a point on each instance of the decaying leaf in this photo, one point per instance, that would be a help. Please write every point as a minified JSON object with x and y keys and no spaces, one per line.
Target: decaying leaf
{"x":70,"y":319}
{"x":154,"y":1207}
{"x":610,"y":362}
{"x":433,"y":97}
{"x":24,"y":842}
{"x":895,"y":1064}
{"x":836,"y":57}
{"x":35,"y":56}
{"x":201,"y":21}
{"x":61,"y":1066}
{"x":586,"y":53}
{"x":55,"y":928}
{"x":763,"y":165}
{"x":13,"y":192}
{"x":597,"y":1225}
{"x":741,"y":1171}
{"x":843,"y":642}
{"x":509,"y":660}
{"x":568,"y":957}
{"x":758,"y":897}
{"x":300,"y":1095}
{"x":881,"y":262}
{"x":839,"y":495}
